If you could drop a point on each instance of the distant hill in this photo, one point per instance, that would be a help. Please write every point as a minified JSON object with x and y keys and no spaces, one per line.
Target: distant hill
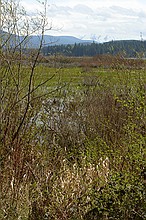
{"x":34,"y":40}
{"x":129,"y":48}
{"x":72,"y":46}
{"x":58,"y":40}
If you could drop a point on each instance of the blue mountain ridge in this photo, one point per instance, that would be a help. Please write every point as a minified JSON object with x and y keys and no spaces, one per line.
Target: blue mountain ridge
{"x":35,"y":40}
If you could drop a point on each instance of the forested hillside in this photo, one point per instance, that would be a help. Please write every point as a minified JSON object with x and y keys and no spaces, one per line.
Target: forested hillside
{"x":129,"y":48}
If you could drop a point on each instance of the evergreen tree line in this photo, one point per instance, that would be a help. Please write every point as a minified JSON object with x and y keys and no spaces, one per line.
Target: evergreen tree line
{"x":129,"y":48}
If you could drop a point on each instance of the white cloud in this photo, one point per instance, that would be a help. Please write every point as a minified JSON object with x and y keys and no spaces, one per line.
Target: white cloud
{"x":108,"y":19}
{"x":82,"y":9}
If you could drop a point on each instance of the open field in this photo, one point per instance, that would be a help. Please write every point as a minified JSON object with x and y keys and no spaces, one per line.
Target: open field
{"x":73,"y":139}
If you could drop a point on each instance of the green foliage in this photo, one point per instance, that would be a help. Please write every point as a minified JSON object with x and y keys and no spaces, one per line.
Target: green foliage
{"x":122,"y":198}
{"x":81,"y":146}
{"x":129,"y":48}
{"x":72,"y":138}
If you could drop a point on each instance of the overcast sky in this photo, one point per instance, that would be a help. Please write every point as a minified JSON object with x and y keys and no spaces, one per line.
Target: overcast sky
{"x":100,"y":20}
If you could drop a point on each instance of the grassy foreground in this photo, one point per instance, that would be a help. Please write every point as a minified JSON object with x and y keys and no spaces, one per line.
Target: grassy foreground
{"x":73,"y":143}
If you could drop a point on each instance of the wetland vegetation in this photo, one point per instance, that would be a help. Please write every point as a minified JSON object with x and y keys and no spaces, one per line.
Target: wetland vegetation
{"x":75,"y":142}
{"x":73,"y":131}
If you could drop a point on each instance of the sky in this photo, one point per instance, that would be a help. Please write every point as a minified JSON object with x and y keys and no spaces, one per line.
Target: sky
{"x":100,"y":20}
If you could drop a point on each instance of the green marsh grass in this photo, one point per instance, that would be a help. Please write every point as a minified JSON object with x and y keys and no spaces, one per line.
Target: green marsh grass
{"x":81,"y":146}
